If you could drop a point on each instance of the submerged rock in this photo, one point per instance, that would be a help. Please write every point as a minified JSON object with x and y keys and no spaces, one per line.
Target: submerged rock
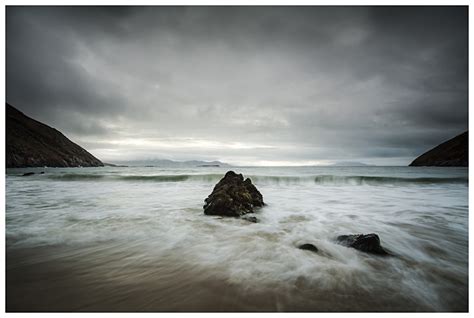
{"x":369,"y":243}
{"x":308,"y":247}
{"x":232,"y":196}
{"x":252,"y":219}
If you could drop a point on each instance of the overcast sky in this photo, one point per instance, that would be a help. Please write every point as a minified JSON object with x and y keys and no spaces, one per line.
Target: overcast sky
{"x":244,"y":85}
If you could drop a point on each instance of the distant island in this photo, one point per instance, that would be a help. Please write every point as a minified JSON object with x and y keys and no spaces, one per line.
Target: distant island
{"x":106,"y":164}
{"x":30,"y":143}
{"x":452,"y":153}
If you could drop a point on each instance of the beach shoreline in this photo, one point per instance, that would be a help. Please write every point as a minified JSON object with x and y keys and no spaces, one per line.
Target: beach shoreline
{"x":59,"y":279}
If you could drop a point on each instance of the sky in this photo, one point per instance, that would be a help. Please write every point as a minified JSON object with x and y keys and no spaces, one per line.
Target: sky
{"x":243,"y":85}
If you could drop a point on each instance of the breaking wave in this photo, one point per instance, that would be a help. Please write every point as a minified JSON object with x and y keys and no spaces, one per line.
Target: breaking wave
{"x":212,"y":178}
{"x":359,"y":180}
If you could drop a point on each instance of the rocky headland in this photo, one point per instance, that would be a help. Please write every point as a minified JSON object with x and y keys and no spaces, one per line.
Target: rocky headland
{"x":452,"y":153}
{"x":30,"y":143}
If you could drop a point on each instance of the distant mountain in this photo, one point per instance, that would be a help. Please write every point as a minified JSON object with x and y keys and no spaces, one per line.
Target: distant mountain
{"x":452,"y":153}
{"x":171,"y":163}
{"x":350,"y":164}
{"x":30,"y":143}
{"x":106,"y":164}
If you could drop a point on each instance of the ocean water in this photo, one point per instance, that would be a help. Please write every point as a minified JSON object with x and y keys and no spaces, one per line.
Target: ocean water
{"x":136,"y":239}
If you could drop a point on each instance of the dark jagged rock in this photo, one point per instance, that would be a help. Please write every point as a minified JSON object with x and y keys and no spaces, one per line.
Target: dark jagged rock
{"x":28,"y":174}
{"x":232,"y":196}
{"x":30,"y":143}
{"x":252,"y":219}
{"x":369,"y":243}
{"x":308,"y":247}
{"x":452,"y":153}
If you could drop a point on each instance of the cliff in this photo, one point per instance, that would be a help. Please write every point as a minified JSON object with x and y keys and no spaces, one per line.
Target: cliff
{"x":452,"y":153}
{"x":30,"y":143}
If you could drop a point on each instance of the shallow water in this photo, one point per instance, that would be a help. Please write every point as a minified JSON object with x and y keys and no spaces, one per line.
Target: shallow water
{"x":136,"y":239}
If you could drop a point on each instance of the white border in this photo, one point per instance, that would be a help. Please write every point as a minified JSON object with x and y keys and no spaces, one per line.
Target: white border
{"x":222,"y":2}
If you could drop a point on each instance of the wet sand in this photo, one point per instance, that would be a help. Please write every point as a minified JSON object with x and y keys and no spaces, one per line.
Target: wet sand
{"x":36,"y":282}
{"x":95,"y":279}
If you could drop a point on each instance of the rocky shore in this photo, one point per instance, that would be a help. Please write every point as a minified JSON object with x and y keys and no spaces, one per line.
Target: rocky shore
{"x":235,"y":197}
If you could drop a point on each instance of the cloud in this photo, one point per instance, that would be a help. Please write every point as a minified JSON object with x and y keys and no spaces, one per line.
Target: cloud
{"x":310,"y":83}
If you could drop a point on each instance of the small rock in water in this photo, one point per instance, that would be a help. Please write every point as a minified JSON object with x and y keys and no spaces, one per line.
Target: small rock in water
{"x":28,"y":174}
{"x":369,"y":243}
{"x":308,"y":247}
{"x":232,"y":196}
{"x":252,"y":219}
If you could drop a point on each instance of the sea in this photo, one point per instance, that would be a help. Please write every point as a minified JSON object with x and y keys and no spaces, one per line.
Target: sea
{"x":135,"y":239}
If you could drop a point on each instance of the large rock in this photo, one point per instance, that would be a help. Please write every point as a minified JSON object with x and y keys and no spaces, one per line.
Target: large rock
{"x":369,"y":243}
{"x":232,"y":196}
{"x":452,"y":153}
{"x":30,"y":143}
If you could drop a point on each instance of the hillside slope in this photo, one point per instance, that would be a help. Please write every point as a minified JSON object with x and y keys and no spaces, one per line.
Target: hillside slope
{"x":30,"y":143}
{"x":452,"y":153}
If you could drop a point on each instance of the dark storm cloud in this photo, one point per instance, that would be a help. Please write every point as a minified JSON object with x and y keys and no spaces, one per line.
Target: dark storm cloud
{"x":42,"y":76}
{"x":243,"y":84}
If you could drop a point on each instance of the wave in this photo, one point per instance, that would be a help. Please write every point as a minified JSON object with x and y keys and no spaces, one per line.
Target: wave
{"x":152,"y":178}
{"x":354,"y":180}
{"x":360,"y":180}
{"x":259,"y":179}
